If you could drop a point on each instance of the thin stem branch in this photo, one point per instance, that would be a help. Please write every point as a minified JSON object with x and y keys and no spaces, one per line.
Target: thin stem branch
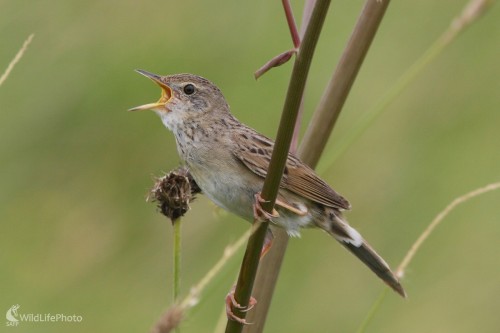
{"x":278,"y":60}
{"x":16,"y":59}
{"x":177,"y":257}
{"x":283,"y":57}
{"x":437,"y":220}
{"x":418,"y":243}
{"x":271,"y":264}
{"x":291,"y":23}
{"x":278,"y":159}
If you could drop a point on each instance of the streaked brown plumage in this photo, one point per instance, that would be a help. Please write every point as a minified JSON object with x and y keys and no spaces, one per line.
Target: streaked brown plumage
{"x":229,"y":161}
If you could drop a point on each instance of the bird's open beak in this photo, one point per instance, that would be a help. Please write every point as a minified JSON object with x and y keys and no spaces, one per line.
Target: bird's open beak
{"x":166,"y":94}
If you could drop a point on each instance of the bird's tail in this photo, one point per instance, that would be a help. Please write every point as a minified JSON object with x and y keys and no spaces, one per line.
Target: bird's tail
{"x":352,"y":240}
{"x":375,"y":262}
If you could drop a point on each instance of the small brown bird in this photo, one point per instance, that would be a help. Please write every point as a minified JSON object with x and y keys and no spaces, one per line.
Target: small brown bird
{"x":229,"y":162}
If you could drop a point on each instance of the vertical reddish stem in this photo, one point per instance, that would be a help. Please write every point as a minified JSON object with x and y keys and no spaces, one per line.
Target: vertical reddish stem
{"x":291,"y":23}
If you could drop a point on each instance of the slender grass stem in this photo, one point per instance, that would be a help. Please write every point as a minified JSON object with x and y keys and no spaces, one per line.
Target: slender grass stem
{"x":420,"y":240}
{"x":300,"y":70}
{"x":291,"y":23}
{"x":177,"y":257}
{"x":437,"y":220}
{"x":16,"y":59}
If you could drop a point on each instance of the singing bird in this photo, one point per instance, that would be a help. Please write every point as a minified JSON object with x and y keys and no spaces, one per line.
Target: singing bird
{"x":229,"y":161}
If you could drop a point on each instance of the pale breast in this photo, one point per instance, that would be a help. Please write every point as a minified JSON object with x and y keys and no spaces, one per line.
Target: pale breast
{"x":229,"y":183}
{"x":225,"y":188}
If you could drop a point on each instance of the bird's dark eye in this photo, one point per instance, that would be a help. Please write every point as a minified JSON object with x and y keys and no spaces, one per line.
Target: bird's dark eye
{"x":189,"y":89}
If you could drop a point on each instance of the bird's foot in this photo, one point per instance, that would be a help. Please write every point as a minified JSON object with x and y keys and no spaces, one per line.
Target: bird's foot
{"x":259,"y":213}
{"x":232,"y":303}
{"x":268,"y":242}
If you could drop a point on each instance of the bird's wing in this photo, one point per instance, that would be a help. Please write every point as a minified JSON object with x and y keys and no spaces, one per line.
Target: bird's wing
{"x":254,"y":151}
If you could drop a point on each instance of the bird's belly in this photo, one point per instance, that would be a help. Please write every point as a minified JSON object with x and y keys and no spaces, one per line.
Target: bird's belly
{"x":236,"y":202}
{"x":227,"y":190}
{"x":236,"y":194}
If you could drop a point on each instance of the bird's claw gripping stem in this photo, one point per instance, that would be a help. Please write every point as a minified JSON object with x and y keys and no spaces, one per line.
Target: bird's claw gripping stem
{"x":259,"y":213}
{"x":231,"y":302}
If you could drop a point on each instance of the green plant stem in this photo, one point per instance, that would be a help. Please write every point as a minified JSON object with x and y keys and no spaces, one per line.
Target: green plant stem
{"x":292,"y":104}
{"x":311,"y":149}
{"x":291,"y":23}
{"x":177,"y":258}
{"x":418,"y":243}
{"x":302,"y":63}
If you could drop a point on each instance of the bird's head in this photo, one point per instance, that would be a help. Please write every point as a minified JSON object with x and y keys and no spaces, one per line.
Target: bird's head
{"x":184,"y":97}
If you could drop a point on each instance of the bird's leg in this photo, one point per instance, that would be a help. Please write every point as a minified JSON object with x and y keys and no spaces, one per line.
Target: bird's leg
{"x":231,"y":302}
{"x":268,"y":242}
{"x":259,"y":213}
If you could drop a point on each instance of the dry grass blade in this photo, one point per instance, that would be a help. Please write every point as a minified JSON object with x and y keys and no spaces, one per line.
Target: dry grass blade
{"x":437,"y":220}
{"x":16,"y":59}
{"x":418,"y":243}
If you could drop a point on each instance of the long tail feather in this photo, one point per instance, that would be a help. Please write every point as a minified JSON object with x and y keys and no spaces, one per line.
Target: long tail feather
{"x":375,"y":262}
{"x":351,"y":239}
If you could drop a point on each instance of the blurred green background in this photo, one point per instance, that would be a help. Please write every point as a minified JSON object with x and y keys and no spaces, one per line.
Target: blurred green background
{"x":78,"y":237}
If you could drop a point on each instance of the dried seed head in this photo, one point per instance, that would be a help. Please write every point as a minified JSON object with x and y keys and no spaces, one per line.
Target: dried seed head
{"x":169,"y":321}
{"x":173,"y":193}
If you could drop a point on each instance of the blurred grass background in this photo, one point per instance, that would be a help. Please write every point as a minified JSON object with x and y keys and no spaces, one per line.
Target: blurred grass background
{"x":78,"y":237}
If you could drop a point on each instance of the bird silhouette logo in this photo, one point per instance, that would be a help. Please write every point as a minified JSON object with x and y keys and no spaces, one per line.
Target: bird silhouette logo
{"x":12,"y":315}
